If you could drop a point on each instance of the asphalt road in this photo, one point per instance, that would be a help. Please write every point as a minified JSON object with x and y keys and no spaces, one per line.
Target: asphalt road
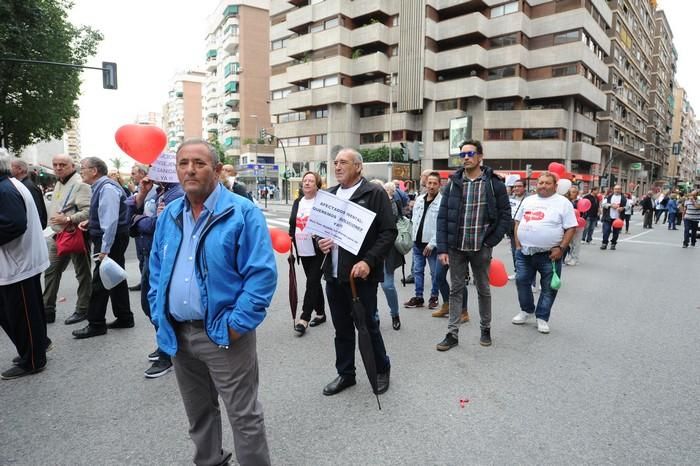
{"x":616,"y":382}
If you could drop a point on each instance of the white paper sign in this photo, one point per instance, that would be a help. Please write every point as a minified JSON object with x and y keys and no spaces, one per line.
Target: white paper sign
{"x":344,"y":221}
{"x":163,"y":169}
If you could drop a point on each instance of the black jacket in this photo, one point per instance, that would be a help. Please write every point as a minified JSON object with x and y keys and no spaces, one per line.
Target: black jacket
{"x":38,"y":197}
{"x":592,"y":213}
{"x":379,"y":240}
{"x":498,"y":211}
{"x":606,"y":210}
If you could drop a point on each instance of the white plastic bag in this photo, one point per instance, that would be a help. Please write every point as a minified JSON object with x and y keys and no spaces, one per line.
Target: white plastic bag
{"x":111,"y":273}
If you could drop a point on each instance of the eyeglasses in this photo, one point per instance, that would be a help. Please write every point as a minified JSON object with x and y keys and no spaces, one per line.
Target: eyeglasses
{"x":470,"y":153}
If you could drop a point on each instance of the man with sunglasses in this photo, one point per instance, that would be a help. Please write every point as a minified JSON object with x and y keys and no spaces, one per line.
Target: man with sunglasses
{"x":473,"y":217}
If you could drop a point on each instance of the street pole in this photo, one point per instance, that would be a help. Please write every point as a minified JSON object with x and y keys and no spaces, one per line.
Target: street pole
{"x":285,"y":179}
{"x":390,"y":173}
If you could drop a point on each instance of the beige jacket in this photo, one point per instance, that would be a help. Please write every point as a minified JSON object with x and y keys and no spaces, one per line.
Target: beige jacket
{"x":72,"y":198}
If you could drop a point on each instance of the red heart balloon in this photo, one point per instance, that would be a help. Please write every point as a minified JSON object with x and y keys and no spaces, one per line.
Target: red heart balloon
{"x":497,"y":273}
{"x":143,"y":143}
{"x":557,"y":168}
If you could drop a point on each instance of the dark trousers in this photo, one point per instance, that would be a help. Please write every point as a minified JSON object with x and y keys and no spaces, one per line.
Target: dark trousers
{"x":690,"y":231}
{"x":22,"y":317}
{"x":340,"y":302}
{"x":648,"y":217}
{"x":313,"y":296}
{"x":672,"y":221}
{"x":119,"y":294}
{"x":628,"y":217}
{"x":607,"y":228}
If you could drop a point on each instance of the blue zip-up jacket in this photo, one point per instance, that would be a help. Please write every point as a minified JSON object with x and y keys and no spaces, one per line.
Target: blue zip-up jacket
{"x":235,"y":269}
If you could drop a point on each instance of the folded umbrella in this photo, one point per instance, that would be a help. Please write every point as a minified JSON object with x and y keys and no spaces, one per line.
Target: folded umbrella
{"x":293,"y":296}
{"x":363,"y":339}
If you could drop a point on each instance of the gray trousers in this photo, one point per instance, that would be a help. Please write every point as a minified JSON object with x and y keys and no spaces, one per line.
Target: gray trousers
{"x":459,"y":262}
{"x":206,"y":372}
{"x":52,"y":278}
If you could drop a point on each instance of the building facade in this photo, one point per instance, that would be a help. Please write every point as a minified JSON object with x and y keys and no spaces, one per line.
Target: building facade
{"x":236,"y":89}
{"x":525,"y":76}
{"x":683,"y":160}
{"x":182,"y":114}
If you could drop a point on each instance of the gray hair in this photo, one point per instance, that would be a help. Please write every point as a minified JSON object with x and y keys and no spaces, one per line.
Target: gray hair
{"x":5,"y":161}
{"x":21,"y":164}
{"x":198,"y":141}
{"x":390,"y":188}
{"x":355,"y":154}
{"x":142,"y":168}
{"x":97,"y":163}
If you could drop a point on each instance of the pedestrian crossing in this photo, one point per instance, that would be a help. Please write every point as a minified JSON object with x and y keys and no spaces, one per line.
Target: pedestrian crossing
{"x":277,"y":219}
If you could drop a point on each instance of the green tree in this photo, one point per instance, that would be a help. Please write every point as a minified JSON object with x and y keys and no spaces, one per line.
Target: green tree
{"x":37,"y":102}
{"x":117,"y":163}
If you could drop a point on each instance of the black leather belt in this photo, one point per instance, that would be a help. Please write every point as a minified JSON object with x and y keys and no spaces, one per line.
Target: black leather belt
{"x":193,"y":323}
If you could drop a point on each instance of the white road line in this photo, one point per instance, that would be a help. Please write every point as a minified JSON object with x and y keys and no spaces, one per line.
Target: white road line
{"x":636,"y":236}
{"x":277,"y":222}
{"x":658,"y":243}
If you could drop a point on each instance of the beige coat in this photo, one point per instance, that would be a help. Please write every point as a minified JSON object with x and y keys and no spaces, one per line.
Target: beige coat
{"x":77,"y":203}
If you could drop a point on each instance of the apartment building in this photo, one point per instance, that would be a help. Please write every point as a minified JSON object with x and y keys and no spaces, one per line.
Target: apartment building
{"x":182,"y":114}
{"x":525,"y":76}
{"x":71,"y":140}
{"x":685,"y":139}
{"x":236,"y":89}
{"x":661,"y":104}
{"x":622,"y":127}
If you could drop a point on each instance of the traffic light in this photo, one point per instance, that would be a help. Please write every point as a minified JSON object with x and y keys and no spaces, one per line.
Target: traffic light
{"x":263,"y":133}
{"x":405,"y":155}
{"x":109,"y":75}
{"x":417,"y":153}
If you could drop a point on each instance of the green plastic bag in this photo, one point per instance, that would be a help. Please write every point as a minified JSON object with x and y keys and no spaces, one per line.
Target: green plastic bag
{"x":555,"y":284}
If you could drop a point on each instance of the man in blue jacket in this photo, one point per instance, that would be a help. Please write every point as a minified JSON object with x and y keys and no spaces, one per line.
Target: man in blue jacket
{"x":474,"y":215}
{"x":212,"y":276}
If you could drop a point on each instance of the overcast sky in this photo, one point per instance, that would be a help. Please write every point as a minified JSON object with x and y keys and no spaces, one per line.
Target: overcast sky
{"x":151,"y":40}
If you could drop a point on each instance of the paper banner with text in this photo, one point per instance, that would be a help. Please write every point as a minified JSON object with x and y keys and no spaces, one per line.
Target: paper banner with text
{"x":345,"y":222}
{"x":163,"y":169}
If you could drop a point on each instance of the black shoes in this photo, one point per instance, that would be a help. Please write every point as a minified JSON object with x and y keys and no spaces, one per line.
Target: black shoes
{"x":300,"y":329}
{"x":339,"y":384}
{"x":89,"y":331}
{"x":317,"y":321}
{"x":383,"y":381}
{"x":75,"y":318}
{"x":449,"y":342}
{"x":15,"y":372}
{"x":159,"y":368}
{"x":485,"y":339}
{"x":154,"y":356}
{"x":121,"y":323}
{"x":612,"y":247}
{"x":50,"y":317}
{"x":604,"y":246}
{"x":135,"y":287}
{"x":395,"y":323}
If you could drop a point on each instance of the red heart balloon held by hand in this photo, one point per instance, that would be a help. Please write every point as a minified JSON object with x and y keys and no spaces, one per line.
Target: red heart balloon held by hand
{"x":143,"y":143}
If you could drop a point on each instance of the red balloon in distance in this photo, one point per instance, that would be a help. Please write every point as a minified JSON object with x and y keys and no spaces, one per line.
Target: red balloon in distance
{"x":584,"y":205}
{"x":143,"y":143}
{"x":600,"y":197}
{"x":281,"y":242}
{"x":618,"y":224}
{"x":557,"y":168}
{"x":497,"y":273}
{"x":581,"y":222}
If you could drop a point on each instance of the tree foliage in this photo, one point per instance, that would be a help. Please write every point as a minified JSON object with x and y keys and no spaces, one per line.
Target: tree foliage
{"x":381,"y":154}
{"x":37,"y":102}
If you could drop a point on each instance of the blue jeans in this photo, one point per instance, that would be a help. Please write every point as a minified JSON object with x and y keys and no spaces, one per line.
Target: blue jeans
{"x":392,"y":298}
{"x":671,"y":220}
{"x":419,"y":261}
{"x":607,"y":228}
{"x":591,"y":223}
{"x":528,"y":266}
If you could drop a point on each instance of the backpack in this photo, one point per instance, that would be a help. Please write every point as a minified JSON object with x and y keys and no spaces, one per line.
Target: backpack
{"x":404,"y":241}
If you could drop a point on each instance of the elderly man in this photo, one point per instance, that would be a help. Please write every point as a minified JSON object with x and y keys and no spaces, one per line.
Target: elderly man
{"x":367,"y":265}
{"x":20,"y":170}
{"x":474,"y":215}
{"x":69,"y":207}
{"x":23,"y":256}
{"x":108,"y":227}
{"x":613,"y":209}
{"x":212,"y":276}
{"x":544,"y":228}
{"x":135,"y":206}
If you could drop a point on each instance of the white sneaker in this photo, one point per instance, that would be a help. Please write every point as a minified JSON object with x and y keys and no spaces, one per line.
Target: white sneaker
{"x":521,"y":318}
{"x":542,"y":326}
{"x":511,"y":277}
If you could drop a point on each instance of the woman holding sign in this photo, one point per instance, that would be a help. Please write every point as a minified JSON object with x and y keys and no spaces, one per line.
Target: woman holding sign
{"x":309,"y":253}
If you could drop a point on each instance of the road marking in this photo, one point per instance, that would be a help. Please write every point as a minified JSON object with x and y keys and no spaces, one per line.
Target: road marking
{"x":277,"y":222}
{"x":658,"y":243}
{"x":636,"y":236}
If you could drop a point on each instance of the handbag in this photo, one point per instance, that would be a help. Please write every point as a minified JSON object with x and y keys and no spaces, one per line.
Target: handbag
{"x":70,"y":242}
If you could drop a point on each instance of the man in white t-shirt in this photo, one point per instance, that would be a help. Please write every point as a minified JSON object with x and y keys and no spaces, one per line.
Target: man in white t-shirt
{"x":544,"y":227}
{"x":613,"y":208}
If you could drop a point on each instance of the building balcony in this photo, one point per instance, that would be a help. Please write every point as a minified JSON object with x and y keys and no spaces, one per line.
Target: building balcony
{"x":307,"y":43}
{"x":310,"y":70}
{"x":472,"y":54}
{"x":303,"y":128}
{"x":376,"y":32}
{"x":541,"y":149}
{"x":374,"y":63}
{"x":399,"y":121}
{"x":575,"y":85}
{"x":312,"y":13}
{"x":375,"y":92}
{"x":581,"y":151}
{"x":230,"y":44}
{"x":526,"y":119}
{"x":464,"y":87}
{"x":472,"y":23}
{"x":365,"y":7}
{"x":211,"y":64}
{"x":317,"y":97}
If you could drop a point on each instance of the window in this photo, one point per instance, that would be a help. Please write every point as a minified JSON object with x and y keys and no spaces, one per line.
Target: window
{"x":498,"y":134}
{"x":504,"y":41}
{"x":504,"y":9}
{"x":321,"y":139}
{"x":500,"y":105}
{"x":320,"y":113}
{"x":373,"y":138}
{"x":502,"y":72}
{"x":566,"y":70}
{"x":541,"y":133}
{"x":445,"y":105}
{"x":373,"y":110}
{"x":564,"y":37}
{"x":441,"y":135}
{"x":323,"y":82}
{"x":280,"y":94}
{"x":279,"y":43}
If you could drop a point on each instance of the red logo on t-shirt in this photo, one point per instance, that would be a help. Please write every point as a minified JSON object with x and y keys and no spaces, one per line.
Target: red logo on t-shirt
{"x":533,"y":215}
{"x":301,"y":222}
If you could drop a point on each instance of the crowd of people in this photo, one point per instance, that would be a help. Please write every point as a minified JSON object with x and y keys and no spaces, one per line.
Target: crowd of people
{"x":208,"y":270}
